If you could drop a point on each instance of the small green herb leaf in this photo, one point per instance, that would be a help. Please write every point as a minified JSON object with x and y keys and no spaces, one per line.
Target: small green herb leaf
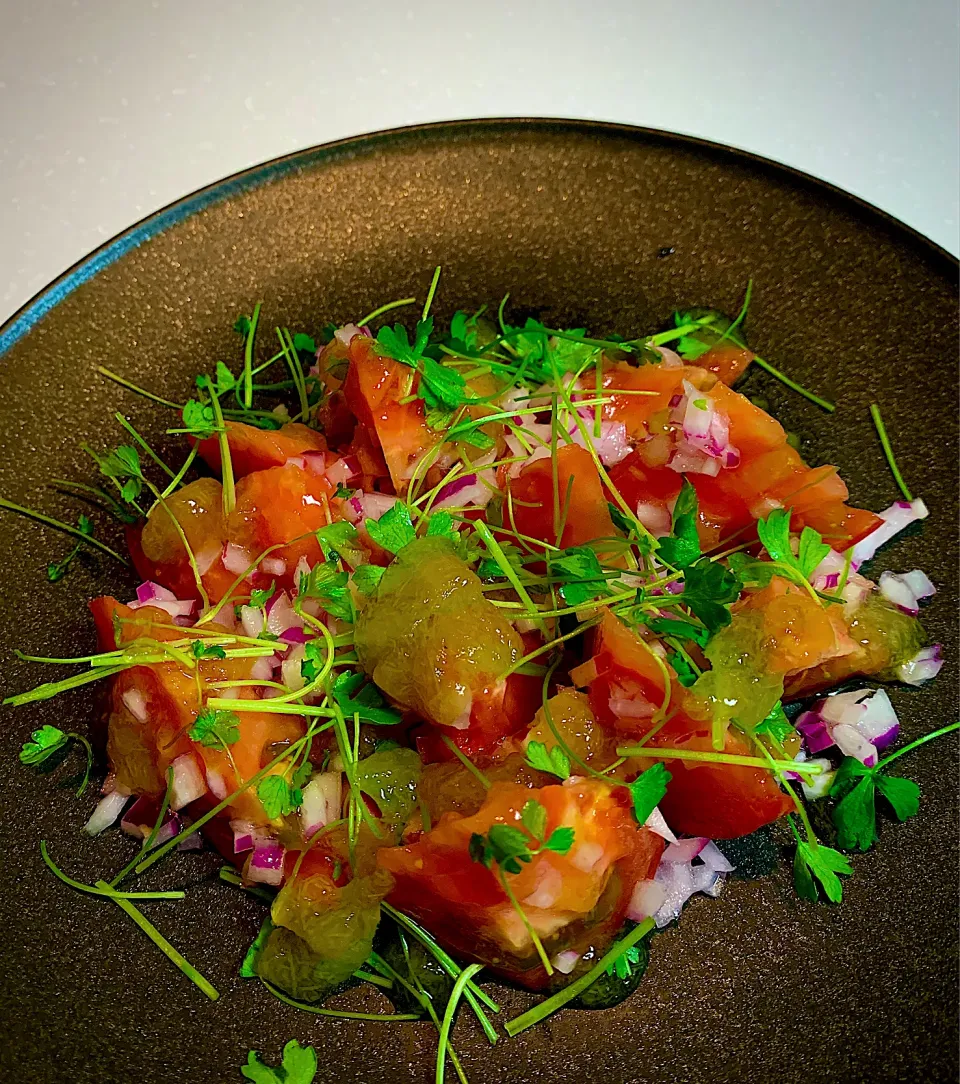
{"x":394,"y":529}
{"x":43,"y":744}
{"x":708,"y":588}
{"x":357,"y":696}
{"x":533,"y":816}
{"x":683,"y":547}
{"x":366,"y":578}
{"x":554,"y":760}
{"x":776,"y":724}
{"x":299,"y":1065}
{"x":304,"y":342}
{"x":648,"y":789}
{"x":328,"y":584}
{"x":560,"y":841}
{"x":198,"y":419}
{"x":855,"y":814}
{"x":279,"y":796}
{"x":216,"y":728}
{"x":200,"y":650}
{"x":260,"y":596}
{"x":817,"y":863}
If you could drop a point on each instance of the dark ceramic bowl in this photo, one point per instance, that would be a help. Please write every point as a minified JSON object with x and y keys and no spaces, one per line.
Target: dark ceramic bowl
{"x":587,"y":224}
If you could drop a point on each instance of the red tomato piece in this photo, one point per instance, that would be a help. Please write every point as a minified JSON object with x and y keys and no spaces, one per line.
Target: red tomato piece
{"x":253,"y":449}
{"x":625,"y":669}
{"x":277,"y":506}
{"x":534,"y":508}
{"x":374,"y":388}
{"x":727,"y":361}
{"x":573,"y":901}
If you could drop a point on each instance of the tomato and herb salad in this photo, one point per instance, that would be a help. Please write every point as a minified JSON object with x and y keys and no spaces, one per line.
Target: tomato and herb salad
{"x":481,"y":650}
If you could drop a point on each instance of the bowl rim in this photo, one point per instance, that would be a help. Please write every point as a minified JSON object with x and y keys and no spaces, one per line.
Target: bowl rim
{"x":25,"y":318}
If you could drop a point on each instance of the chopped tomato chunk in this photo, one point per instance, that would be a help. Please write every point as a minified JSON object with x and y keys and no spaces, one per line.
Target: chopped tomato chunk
{"x":253,"y":449}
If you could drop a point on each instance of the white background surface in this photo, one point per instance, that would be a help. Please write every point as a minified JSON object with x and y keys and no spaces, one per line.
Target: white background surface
{"x":111,"y":108}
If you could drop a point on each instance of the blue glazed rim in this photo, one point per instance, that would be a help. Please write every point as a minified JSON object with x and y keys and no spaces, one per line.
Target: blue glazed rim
{"x":33,"y":311}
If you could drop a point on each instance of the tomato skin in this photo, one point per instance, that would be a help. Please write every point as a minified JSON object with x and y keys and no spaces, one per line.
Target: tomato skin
{"x":374,"y":388}
{"x":253,"y":449}
{"x":624,"y":665}
{"x":727,"y":361}
{"x":533,"y":495}
{"x":278,"y":505}
{"x":465,"y":907}
{"x":720,"y":801}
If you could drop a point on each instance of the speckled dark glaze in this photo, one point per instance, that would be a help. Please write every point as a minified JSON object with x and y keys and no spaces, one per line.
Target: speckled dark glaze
{"x":601,"y":225}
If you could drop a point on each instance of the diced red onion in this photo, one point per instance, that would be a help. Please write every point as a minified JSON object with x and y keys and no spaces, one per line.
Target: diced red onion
{"x":349,"y":332}
{"x":322,"y":801}
{"x":188,"y":784}
{"x":106,"y":812}
{"x":193,"y":842}
{"x":152,"y":594}
{"x":655,"y":517}
{"x":714,"y":859}
{"x":548,"y":887}
{"x":685,"y":850}
{"x":282,"y":616}
{"x":690,"y":460}
{"x":262,"y":668}
{"x":924,"y":666}
{"x":224,"y":618}
{"x":242,"y":836}
{"x":631,"y":707}
{"x":611,"y":446}
{"x":343,"y":470}
{"x":140,"y":818}
{"x":296,"y":636}
{"x":315,"y":462}
{"x":236,"y":559}
{"x":265,"y":865}
{"x":290,"y":673}
{"x":273,"y":566}
{"x":297,"y":461}
{"x":216,"y":784}
{"x":206,"y":558}
{"x":565,"y":961}
{"x":895,"y":518}
{"x":669,"y":358}
{"x":906,"y":590}
{"x":135,"y":702}
{"x":366,"y":506}
{"x":647,"y":898}
{"x":659,"y":826}
{"x":818,"y":786}
{"x":859,"y":723}
{"x":679,"y":881}
{"x":251,"y":618}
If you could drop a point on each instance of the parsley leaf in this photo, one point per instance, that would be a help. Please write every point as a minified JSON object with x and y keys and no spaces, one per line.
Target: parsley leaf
{"x":304,"y":342}
{"x":366,"y":578}
{"x":708,"y":587}
{"x":648,"y":789}
{"x":123,"y":466}
{"x":328,"y":584}
{"x":340,"y":539}
{"x":396,"y":343}
{"x":555,"y":761}
{"x":225,"y":380}
{"x":43,"y":744}
{"x":581,"y":565}
{"x":216,"y":728}
{"x":489,"y":568}
{"x":624,"y":964}
{"x":774,"y":533}
{"x":441,"y":387}
{"x":279,"y":796}
{"x":242,"y":325}
{"x":683,"y":547}
{"x":680,"y":629}
{"x":507,"y":846}
{"x":686,"y":674}
{"x":855,"y":814}
{"x":619,"y":519}
{"x":313,"y":661}
{"x":200,"y":650}
{"x":464,"y":331}
{"x":367,"y":702}
{"x":394,"y":529}
{"x":260,"y":596}
{"x":776,"y":724}
{"x":299,"y":1066}
{"x":533,"y":816}
{"x":198,"y":419}
{"x":57,"y":570}
{"x":817,"y":863}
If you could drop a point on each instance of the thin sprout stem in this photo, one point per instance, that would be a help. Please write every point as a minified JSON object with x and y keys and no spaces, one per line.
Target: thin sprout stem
{"x":888,"y":451}
{"x":466,"y":762}
{"x":389,"y":307}
{"x":248,"y":357}
{"x":784,"y":379}
{"x":455,"y":994}
{"x":124,"y":383}
{"x":343,"y":1014}
{"x":916,"y":744}
{"x":162,"y":943}
{"x":131,"y":429}
{"x":74,"y":532}
{"x":433,"y":289}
